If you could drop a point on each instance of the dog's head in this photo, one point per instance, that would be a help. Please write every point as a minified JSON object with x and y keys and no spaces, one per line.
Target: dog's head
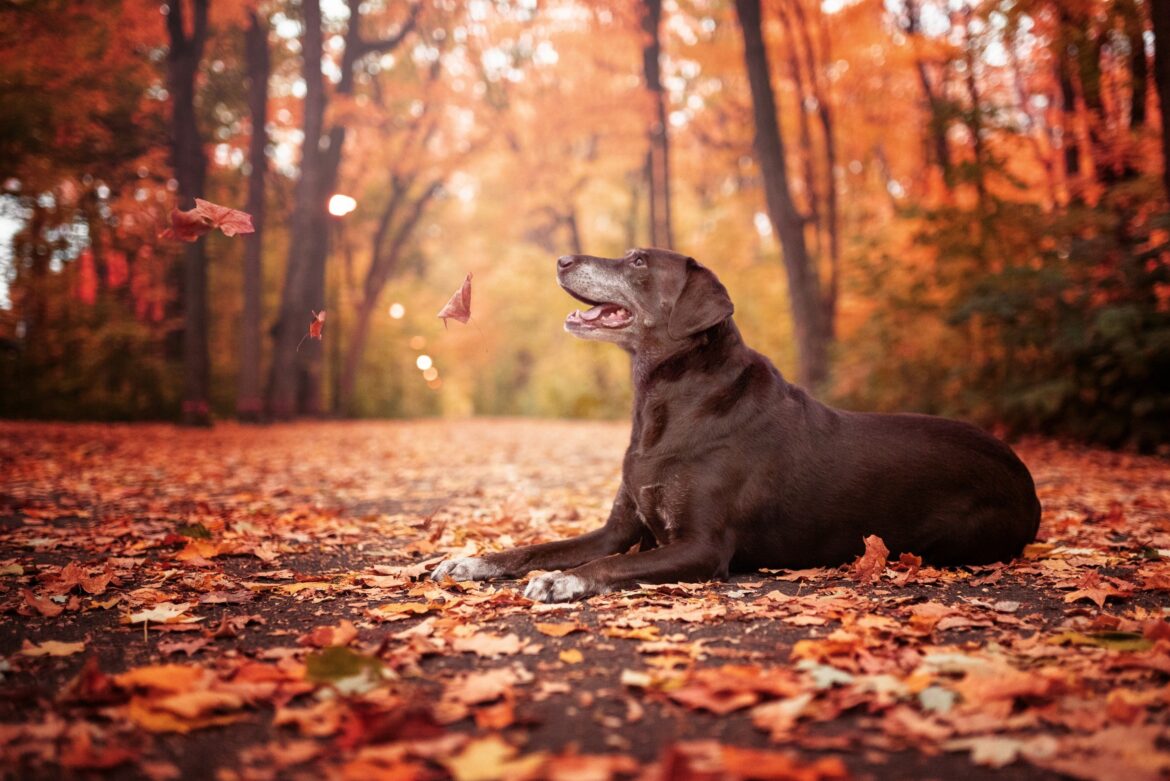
{"x":647,"y":298}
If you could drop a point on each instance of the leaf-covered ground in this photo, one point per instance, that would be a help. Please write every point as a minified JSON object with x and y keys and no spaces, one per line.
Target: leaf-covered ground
{"x":249,"y":603}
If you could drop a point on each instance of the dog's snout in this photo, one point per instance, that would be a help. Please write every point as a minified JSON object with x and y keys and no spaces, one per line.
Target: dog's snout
{"x":565,"y":262}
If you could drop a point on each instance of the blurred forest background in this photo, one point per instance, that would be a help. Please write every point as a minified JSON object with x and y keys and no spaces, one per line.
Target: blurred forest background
{"x":946,"y":206}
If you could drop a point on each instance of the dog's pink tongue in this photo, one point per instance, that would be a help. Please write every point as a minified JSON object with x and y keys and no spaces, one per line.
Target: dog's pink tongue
{"x":593,"y":313}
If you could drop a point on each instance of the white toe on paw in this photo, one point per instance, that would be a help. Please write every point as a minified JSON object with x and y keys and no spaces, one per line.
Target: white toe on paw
{"x":556,"y":587}
{"x":465,"y":569}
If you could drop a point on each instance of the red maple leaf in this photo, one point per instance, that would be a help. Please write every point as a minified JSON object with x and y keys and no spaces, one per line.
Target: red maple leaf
{"x":459,"y":307}
{"x":315,"y":326}
{"x":231,"y":221}
{"x":191,"y":225}
{"x":185,"y":226}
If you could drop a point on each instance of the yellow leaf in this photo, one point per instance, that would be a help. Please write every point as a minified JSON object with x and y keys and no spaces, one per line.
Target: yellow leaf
{"x":488,"y":644}
{"x":198,"y":549}
{"x":196,"y":704}
{"x":559,"y":630}
{"x":162,"y":613}
{"x":490,"y":758}
{"x":644,"y":633}
{"x":152,"y":720}
{"x":572,"y":656}
{"x":395,"y":611}
{"x":314,"y":585}
{"x":51,"y":648}
{"x":164,"y":677}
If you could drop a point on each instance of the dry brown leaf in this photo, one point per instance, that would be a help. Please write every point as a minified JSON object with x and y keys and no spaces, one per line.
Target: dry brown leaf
{"x":870,"y":565}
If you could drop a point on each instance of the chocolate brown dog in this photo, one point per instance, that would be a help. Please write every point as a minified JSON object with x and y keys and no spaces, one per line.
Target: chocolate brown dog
{"x":731,"y":467}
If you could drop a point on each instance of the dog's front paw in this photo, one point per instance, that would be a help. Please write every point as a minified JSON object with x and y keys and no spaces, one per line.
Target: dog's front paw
{"x":466,"y":569}
{"x":557,"y":587}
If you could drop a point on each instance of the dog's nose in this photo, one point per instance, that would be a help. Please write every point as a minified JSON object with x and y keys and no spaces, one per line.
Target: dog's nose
{"x":565,"y":261}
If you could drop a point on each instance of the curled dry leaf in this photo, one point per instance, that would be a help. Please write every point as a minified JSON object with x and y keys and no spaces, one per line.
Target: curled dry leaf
{"x":910,"y":564}
{"x":43,"y":605}
{"x":871,"y":564}
{"x":459,"y":306}
{"x":326,"y":636}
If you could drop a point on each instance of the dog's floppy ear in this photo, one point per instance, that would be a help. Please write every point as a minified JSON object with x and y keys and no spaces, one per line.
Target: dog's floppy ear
{"x":702,"y":303}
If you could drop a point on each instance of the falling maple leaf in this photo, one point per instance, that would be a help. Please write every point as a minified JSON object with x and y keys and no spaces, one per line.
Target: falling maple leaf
{"x":871,"y":564}
{"x":315,"y":326}
{"x":194,"y":223}
{"x":459,"y":306}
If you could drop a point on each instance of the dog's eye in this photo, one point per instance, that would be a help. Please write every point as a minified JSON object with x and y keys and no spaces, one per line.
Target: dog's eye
{"x":638,"y":261}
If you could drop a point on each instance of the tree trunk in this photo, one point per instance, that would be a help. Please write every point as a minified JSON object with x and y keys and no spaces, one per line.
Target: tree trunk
{"x":935,"y":105}
{"x":812,"y":333}
{"x":296,"y":384}
{"x":307,"y":228}
{"x":1139,"y":70}
{"x":249,"y":404}
{"x":658,"y":156}
{"x":825,"y":113}
{"x":1160,"y":12}
{"x":1068,"y":125}
{"x":358,"y":337}
{"x":975,"y":117}
{"x":190,"y":166}
{"x":384,"y":262}
{"x":812,"y":199}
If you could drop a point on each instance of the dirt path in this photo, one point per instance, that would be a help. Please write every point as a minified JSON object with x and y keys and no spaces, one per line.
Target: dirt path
{"x":246,"y":603}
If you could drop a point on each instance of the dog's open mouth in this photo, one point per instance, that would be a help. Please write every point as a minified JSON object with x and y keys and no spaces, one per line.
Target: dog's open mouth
{"x":600,"y":316}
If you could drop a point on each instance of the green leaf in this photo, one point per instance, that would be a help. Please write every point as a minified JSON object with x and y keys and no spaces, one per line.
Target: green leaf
{"x":195,"y":531}
{"x":331,"y":665}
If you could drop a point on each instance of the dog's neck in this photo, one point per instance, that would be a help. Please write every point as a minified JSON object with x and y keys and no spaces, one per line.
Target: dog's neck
{"x":718,"y":348}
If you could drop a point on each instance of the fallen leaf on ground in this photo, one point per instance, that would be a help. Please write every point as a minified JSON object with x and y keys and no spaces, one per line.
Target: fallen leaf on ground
{"x":870,"y":565}
{"x":325,"y":636}
{"x":162,"y":613}
{"x":490,"y":758}
{"x":51,"y":648}
{"x":488,"y":644}
{"x":558,"y":630}
{"x":43,"y":605}
{"x":571,"y":656}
